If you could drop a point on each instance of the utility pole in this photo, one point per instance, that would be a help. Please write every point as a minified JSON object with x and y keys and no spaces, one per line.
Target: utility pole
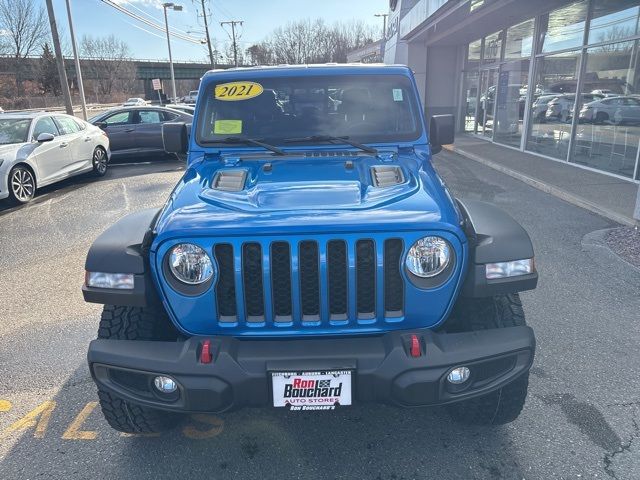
{"x":64,"y":85}
{"x":77,"y":61}
{"x":384,"y":23}
{"x":206,"y":31}
{"x":233,"y":24}
{"x":177,"y":8}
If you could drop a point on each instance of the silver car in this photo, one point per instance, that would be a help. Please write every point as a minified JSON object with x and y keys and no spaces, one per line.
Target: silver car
{"x":37,"y":149}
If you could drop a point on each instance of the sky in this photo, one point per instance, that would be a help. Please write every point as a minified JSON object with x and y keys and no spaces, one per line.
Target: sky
{"x":96,"y":18}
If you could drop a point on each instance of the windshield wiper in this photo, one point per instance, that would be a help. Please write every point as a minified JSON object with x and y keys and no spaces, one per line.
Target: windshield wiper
{"x":252,"y":141}
{"x":333,"y":139}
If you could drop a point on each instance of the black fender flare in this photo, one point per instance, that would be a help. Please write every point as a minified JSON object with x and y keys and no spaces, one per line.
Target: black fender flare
{"x":494,"y":236}
{"x":123,"y":248}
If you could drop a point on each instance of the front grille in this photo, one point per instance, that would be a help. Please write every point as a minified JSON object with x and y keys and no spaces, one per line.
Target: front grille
{"x":309,"y":282}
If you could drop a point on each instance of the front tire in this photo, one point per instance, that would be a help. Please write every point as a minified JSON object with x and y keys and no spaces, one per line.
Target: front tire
{"x":100,"y":162}
{"x":503,"y":405}
{"x":135,"y":323}
{"x":22,"y":185}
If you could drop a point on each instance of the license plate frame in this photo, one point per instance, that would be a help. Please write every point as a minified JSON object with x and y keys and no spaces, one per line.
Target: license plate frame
{"x":301,"y":390}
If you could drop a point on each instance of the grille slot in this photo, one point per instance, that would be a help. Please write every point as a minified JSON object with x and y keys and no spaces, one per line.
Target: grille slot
{"x":386,"y":175}
{"x":252,"y":281}
{"x":281,"y":280}
{"x":226,"y":287}
{"x":366,"y":278}
{"x":309,"y":280}
{"x":393,"y":285}
{"x":338,"y":279}
{"x":229,"y":180}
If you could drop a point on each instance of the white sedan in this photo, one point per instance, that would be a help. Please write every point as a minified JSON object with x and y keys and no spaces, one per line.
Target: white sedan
{"x":37,"y":149}
{"x":135,"y":102}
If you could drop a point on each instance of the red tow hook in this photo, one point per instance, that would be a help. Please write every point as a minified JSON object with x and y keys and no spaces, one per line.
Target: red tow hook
{"x":205,"y":354}
{"x":414,"y":350}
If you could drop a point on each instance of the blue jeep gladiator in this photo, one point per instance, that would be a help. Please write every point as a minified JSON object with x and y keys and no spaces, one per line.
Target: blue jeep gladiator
{"x":310,"y":258}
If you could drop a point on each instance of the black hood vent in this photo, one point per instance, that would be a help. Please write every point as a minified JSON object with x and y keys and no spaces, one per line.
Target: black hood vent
{"x":332,"y":153}
{"x":386,"y":176}
{"x":229,"y":180}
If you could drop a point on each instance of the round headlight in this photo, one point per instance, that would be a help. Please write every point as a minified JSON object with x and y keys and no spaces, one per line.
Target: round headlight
{"x":428,"y":257}
{"x":190,"y":264}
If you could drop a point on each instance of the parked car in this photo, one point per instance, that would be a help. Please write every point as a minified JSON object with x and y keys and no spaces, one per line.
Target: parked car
{"x":191,"y":98}
{"x":37,"y":149}
{"x":133,"y":102}
{"x":617,"y":110}
{"x":137,"y":130}
{"x":561,"y":107}
{"x":306,"y":261}
{"x":539,"y":107}
{"x":190,"y":109}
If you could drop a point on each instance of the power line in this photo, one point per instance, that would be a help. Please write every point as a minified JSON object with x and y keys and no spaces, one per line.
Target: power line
{"x":134,"y":6}
{"x":151,"y":24}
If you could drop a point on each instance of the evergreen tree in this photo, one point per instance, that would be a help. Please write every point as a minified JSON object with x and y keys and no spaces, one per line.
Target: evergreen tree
{"x":49,"y":79}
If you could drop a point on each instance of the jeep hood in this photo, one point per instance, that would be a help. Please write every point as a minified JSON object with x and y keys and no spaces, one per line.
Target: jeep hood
{"x":308,"y":192}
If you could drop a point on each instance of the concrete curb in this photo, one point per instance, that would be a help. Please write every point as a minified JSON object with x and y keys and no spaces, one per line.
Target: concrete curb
{"x":550,"y":189}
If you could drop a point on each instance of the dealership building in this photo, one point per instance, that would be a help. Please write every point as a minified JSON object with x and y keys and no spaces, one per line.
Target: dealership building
{"x":559,"y":79}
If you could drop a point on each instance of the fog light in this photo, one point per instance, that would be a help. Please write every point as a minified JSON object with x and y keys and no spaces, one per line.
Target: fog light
{"x":165,"y":384}
{"x":458,"y":375}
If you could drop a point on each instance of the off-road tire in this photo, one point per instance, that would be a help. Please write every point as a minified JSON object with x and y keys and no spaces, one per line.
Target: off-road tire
{"x":135,"y":323}
{"x":503,"y":405}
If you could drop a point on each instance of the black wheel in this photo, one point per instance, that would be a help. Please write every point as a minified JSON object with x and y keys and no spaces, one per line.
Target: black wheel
{"x":100,"y":161}
{"x":22,"y":185}
{"x":503,"y":405}
{"x":601,"y":117}
{"x":134,"y":323}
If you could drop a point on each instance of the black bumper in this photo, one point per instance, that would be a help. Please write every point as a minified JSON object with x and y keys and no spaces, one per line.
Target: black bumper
{"x":383,"y":369}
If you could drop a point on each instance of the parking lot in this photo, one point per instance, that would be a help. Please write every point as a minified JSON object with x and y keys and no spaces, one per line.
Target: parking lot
{"x":580,"y":421}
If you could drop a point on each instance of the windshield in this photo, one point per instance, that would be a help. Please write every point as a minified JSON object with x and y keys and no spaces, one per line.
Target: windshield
{"x":365,"y":108}
{"x":14,"y":130}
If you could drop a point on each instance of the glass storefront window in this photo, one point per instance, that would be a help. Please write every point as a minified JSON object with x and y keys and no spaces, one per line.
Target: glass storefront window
{"x":470,"y":100}
{"x":519,"y":41}
{"x":608,"y":133}
{"x":473,"y":54}
{"x":614,"y":20}
{"x":564,"y":28}
{"x":553,"y":102}
{"x":492,"y":47}
{"x":510,"y":102}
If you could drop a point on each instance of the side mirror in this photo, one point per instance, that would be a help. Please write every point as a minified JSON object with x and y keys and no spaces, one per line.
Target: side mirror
{"x":101,"y":125}
{"x":175,"y":136}
{"x":441,"y":131}
{"x":45,"y":137}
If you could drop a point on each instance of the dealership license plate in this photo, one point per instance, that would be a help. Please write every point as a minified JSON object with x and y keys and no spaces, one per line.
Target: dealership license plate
{"x":322,"y":390}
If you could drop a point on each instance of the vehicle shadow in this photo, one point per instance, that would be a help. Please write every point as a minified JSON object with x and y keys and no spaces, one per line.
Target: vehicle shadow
{"x":363,"y":441}
{"x":124,"y":168}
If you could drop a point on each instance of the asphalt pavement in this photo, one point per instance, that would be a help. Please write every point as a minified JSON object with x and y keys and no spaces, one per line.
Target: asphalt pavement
{"x":581,"y":419}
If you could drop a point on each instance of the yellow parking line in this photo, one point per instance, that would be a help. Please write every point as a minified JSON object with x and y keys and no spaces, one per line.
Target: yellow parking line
{"x":5,"y":405}
{"x":74,"y":432}
{"x":38,"y":417}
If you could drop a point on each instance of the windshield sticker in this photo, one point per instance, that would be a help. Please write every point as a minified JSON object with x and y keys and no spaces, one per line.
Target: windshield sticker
{"x":397,"y":94}
{"x":227,"y":127}
{"x":235,"y":91}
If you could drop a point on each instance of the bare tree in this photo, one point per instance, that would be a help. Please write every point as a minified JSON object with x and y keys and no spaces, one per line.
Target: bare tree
{"x":24,"y":26}
{"x":108,"y":62}
{"x":311,"y":41}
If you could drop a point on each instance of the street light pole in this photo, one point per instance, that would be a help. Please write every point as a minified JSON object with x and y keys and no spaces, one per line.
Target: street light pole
{"x":77,"y":62}
{"x":177,"y":8}
{"x":59,"y":59}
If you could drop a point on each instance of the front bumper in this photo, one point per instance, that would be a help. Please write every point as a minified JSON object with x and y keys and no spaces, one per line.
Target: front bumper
{"x":383,"y":369}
